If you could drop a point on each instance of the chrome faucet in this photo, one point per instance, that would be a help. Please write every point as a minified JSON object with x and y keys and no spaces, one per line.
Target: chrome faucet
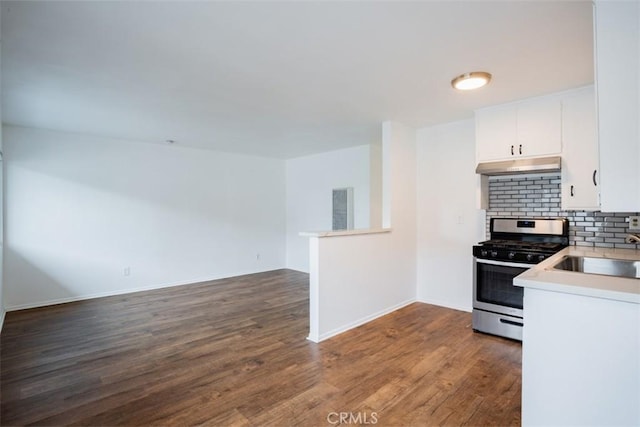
{"x":632,"y":238}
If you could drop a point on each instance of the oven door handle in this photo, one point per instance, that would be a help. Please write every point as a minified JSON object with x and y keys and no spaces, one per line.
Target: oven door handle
{"x":503,"y":263}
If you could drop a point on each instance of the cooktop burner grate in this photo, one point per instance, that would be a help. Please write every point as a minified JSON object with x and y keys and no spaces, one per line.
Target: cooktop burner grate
{"x":525,"y":240}
{"x":523,"y":246}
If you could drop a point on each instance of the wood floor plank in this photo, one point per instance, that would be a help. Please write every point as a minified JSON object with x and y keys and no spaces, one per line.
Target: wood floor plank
{"x":233,"y":352}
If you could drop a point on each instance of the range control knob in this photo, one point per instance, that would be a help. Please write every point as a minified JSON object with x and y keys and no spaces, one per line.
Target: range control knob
{"x":541,"y":257}
{"x":484,"y":252}
{"x":494,"y":253}
{"x":511,"y":255}
{"x":529,"y":257}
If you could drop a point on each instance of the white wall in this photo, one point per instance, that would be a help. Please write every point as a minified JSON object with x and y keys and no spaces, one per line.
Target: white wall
{"x":80,"y":209}
{"x":356,"y":278}
{"x":448,"y":222}
{"x":2,"y":309}
{"x":309,"y":197}
{"x":375,"y":185}
{"x":2,"y":204}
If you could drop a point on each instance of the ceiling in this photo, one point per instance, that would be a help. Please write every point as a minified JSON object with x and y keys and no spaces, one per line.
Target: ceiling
{"x":279,"y":79}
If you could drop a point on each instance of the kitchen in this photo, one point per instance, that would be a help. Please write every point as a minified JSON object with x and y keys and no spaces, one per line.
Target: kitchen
{"x":422,"y":239}
{"x":607,"y":160}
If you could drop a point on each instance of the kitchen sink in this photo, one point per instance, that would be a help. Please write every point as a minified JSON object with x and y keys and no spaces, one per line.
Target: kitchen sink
{"x":605,"y":266}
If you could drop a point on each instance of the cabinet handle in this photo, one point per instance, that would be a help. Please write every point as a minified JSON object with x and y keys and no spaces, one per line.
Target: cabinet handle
{"x":594,"y":177}
{"x":511,"y":322}
{"x":572,"y":191}
{"x":520,"y":149}
{"x":512,"y":150}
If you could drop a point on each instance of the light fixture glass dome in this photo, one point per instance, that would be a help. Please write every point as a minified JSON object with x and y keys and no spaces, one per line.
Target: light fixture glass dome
{"x":470,"y":81}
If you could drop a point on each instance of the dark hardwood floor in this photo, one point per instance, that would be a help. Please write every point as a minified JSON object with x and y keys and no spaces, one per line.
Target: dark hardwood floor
{"x":233,"y":352}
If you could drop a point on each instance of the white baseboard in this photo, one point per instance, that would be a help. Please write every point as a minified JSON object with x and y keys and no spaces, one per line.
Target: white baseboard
{"x":122,"y":291}
{"x":2,"y":314}
{"x":359,"y":322}
{"x":297,"y":269}
{"x":446,"y":304}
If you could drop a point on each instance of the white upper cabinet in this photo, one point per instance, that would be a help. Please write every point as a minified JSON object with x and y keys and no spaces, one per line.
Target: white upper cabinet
{"x":496,"y":131}
{"x":617,"y":55}
{"x":540,"y":127}
{"x":530,"y":128}
{"x":580,"y":151}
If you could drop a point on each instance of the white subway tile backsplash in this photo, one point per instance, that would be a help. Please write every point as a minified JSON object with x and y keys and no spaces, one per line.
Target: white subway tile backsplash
{"x":538,"y":196}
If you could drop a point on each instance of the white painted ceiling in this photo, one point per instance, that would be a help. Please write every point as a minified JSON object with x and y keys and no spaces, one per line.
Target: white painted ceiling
{"x":279,"y":79}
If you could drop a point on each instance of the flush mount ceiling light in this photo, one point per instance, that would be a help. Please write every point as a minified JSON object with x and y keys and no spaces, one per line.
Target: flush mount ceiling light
{"x":470,"y":81}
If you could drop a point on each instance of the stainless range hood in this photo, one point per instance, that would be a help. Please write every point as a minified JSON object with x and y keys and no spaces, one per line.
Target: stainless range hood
{"x":519,"y":166}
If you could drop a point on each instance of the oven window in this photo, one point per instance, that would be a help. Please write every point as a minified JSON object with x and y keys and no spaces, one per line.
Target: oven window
{"x":495,"y":285}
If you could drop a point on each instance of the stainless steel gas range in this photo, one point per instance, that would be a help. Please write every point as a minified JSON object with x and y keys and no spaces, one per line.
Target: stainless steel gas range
{"x":515,"y":245}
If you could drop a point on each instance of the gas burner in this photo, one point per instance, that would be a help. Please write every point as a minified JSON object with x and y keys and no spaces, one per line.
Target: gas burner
{"x":523,"y":240}
{"x":522,"y":245}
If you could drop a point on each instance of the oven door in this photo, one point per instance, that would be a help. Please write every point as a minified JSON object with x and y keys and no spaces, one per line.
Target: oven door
{"x":493,"y":288}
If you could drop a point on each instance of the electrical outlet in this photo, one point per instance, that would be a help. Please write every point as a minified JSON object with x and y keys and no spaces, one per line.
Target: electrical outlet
{"x":634,"y":223}
{"x":126,"y":271}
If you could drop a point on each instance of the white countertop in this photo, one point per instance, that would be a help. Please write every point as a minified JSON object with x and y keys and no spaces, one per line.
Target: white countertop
{"x":344,"y":232}
{"x":542,"y":276}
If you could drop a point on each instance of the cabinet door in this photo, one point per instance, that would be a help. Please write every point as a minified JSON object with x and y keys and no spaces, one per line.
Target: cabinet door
{"x":617,"y":43}
{"x":539,"y":124}
{"x":495,"y":132}
{"x":580,"y":151}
